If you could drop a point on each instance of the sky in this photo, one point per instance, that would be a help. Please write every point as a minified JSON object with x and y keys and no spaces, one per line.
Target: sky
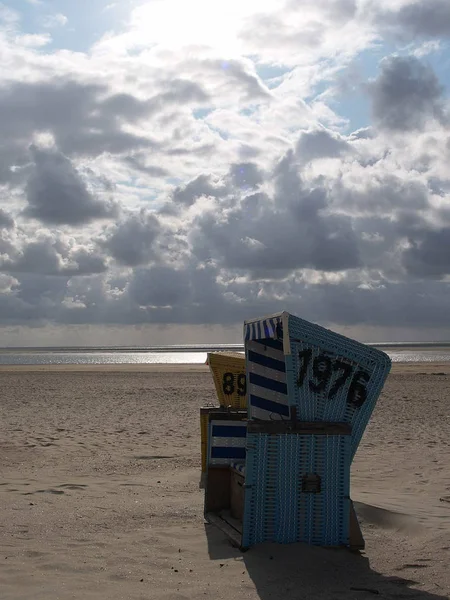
{"x":169,"y":169}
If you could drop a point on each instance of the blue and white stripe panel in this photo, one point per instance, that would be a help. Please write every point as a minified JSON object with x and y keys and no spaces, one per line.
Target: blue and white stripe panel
{"x":266,"y":380}
{"x":227,"y":440}
{"x":263,"y":328}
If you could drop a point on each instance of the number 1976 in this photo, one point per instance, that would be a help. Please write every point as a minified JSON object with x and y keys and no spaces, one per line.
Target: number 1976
{"x":324,"y":370}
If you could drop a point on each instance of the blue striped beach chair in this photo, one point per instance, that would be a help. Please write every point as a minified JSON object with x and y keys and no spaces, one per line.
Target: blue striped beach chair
{"x":290,"y":485}
{"x":226,"y":440}
{"x":227,"y":449}
{"x":311,"y":393}
{"x":297,"y":484}
{"x":302,"y":371}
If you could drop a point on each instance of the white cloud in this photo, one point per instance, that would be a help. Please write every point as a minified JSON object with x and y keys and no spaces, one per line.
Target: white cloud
{"x":55,"y":20}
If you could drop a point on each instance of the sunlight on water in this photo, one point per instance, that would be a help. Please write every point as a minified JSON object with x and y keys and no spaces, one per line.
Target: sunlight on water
{"x":102,"y":358}
{"x":420,"y":356}
{"x":118,"y":357}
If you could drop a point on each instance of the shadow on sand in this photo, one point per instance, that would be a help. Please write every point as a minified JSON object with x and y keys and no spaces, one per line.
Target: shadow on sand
{"x":294,"y":571}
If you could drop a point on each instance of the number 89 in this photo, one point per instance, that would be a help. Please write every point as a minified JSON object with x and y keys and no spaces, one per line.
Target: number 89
{"x":229,"y":387}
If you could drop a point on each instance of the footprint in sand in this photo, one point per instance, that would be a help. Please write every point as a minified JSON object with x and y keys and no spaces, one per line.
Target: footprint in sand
{"x":73,"y":486}
{"x":152,"y":457}
{"x":49,"y":491}
{"x":34,"y":554}
{"x":412,"y":566}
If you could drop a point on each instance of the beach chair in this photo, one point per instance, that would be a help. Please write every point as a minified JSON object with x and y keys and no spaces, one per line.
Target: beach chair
{"x":310,"y":395}
{"x":230,"y":381}
{"x":291,"y":485}
{"x":226,"y":448}
{"x":296,"y":369}
{"x":229,"y":376}
{"x":205,"y":411}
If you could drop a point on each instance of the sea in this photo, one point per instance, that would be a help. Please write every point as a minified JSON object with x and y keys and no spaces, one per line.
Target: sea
{"x":192,"y":354}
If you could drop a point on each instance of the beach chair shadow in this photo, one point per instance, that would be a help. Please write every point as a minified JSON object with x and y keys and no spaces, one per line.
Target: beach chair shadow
{"x":290,"y":571}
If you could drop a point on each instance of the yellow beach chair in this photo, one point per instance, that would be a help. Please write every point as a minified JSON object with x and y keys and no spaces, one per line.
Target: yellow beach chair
{"x":230,"y":380}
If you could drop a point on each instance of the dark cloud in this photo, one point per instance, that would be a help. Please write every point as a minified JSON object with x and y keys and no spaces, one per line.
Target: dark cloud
{"x":385,"y":304}
{"x":84,"y":118}
{"x":161,"y":286}
{"x":86,"y":263}
{"x":132,"y":241}
{"x":245,"y":176}
{"x":241,"y":177}
{"x":251,"y":86}
{"x":179,"y":92}
{"x":321,"y":144}
{"x":202,"y":150}
{"x":37,"y":257}
{"x":429,"y":254}
{"x":289,"y":231}
{"x":417,"y":19}
{"x":6,"y":221}
{"x":248,"y":152}
{"x":439,"y":186}
{"x":57,"y":195}
{"x":202,"y":185}
{"x":138,"y":164}
{"x":383,"y":192}
{"x":406,"y":94}
{"x":38,"y":297}
{"x":51,"y":257}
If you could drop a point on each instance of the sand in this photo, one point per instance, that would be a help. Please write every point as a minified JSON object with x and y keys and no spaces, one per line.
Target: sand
{"x":100,"y":498}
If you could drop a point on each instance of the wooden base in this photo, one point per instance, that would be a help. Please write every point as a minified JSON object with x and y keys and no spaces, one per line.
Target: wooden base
{"x":237,"y":495}
{"x":231,"y":525}
{"x":225,"y":522}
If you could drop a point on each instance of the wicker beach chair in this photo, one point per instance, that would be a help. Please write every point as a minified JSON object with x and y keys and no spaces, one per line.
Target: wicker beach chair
{"x":302,"y":371}
{"x":311,"y":393}
{"x":229,"y":376}
{"x":289,"y":484}
{"x":230,"y":381}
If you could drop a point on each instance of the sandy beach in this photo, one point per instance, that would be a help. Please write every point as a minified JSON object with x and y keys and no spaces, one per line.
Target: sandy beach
{"x":100,"y":498}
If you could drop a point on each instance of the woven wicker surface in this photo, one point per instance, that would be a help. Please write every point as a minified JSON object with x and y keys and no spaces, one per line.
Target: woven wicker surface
{"x":277,"y":509}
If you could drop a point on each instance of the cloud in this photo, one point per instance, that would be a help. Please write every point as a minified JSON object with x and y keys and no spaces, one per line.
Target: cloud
{"x":429,"y":254}
{"x":418,"y":19}
{"x":50,"y":255}
{"x":198,"y":187}
{"x":84,"y":118}
{"x":55,"y":20}
{"x":246,"y":176}
{"x":320,"y":144}
{"x":132,"y":242}
{"x":57,"y":195}
{"x":6,"y":221}
{"x":406,"y":95}
{"x":289,"y":230}
{"x":161,"y":286}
